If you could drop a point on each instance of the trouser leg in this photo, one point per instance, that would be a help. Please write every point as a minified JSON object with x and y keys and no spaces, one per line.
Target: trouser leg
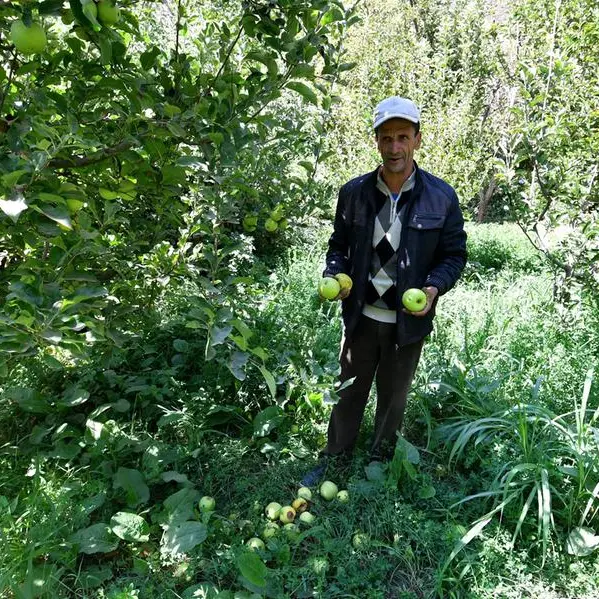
{"x":359,"y":358}
{"x":393,"y":379}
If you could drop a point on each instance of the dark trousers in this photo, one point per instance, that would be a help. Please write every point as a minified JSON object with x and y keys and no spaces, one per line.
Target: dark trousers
{"x":372,"y":351}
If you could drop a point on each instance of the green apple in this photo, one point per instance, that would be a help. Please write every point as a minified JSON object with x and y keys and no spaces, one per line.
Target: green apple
{"x":307,"y":518}
{"x":207,"y":504}
{"x":360,"y":540}
{"x":277,"y":213}
{"x":287,"y":514}
{"x":414,"y":300}
{"x":291,"y":530}
{"x":28,"y":40}
{"x":256,"y":543}
{"x":273,"y":510}
{"x":305,"y":493}
{"x":328,"y":490}
{"x":270,"y":530}
{"x":271,"y":225}
{"x":329,"y":288}
{"x":108,"y":13}
{"x":283,"y":224}
{"x":250,"y":223}
{"x":343,"y":496}
{"x":344,"y":281}
{"x":299,"y":505}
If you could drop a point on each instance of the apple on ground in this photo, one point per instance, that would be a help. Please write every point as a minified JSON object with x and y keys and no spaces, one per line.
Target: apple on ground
{"x":305,"y":493}
{"x":270,"y":530}
{"x":256,"y":543}
{"x":287,"y":514}
{"x":299,"y":505}
{"x":307,"y":518}
{"x":329,"y":288}
{"x":207,"y":504}
{"x":343,"y":496}
{"x":328,"y":490}
{"x":360,"y":540}
{"x":273,"y":510}
{"x":414,"y":300}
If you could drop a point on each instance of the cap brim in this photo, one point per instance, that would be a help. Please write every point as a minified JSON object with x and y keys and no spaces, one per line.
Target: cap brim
{"x":388,"y":117}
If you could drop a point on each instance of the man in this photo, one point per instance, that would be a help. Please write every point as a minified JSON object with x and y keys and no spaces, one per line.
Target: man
{"x":395,"y":228}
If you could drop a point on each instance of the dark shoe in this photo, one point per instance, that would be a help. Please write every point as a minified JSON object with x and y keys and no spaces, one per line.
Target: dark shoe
{"x":315,"y":475}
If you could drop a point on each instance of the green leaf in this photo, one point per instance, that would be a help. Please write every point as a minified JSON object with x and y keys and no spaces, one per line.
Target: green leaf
{"x":306,"y":92}
{"x":14,"y":206}
{"x":237,"y":363}
{"x":180,"y":505}
{"x":59,"y":214}
{"x":132,"y":482}
{"x":268,"y":61}
{"x":74,"y":396}
{"x":267,"y":420}
{"x":130,"y":527}
{"x":183,"y":537}
{"x":252,"y":568}
{"x":270,"y":380}
{"x":582,"y":541}
{"x":107,"y":194}
{"x":97,"y":538}
{"x":12,"y":178}
{"x":29,"y":400}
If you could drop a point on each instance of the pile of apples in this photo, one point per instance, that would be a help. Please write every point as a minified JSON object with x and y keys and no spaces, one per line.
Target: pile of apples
{"x":287,"y":516}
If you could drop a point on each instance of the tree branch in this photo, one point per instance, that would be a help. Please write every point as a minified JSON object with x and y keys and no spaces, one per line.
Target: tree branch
{"x":79,"y":161}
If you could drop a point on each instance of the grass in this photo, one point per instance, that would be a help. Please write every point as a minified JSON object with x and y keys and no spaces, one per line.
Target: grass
{"x":499,"y":342}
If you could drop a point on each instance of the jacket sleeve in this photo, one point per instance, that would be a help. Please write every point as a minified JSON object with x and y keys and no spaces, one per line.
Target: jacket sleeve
{"x":451,"y":252}
{"x":338,"y":250}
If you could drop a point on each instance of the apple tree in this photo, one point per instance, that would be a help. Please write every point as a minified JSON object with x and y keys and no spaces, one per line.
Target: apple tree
{"x":134,"y":146}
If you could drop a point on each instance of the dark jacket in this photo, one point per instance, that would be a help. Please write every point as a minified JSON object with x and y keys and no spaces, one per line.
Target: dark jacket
{"x":432,"y":249}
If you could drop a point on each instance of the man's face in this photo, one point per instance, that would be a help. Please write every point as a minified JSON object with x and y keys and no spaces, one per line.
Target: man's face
{"x":396,"y":142}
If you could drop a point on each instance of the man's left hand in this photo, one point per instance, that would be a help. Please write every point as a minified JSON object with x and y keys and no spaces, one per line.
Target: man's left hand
{"x":431,"y":294}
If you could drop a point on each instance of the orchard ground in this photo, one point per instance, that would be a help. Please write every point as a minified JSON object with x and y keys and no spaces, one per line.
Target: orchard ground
{"x":175,"y":435}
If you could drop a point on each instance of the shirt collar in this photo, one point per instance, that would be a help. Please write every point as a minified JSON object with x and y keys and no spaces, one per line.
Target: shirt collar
{"x":408,"y":183}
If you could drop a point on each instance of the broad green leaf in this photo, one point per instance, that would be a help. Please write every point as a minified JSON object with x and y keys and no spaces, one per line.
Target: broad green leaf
{"x":237,"y":363}
{"x":29,"y":400}
{"x":180,"y":505}
{"x":306,"y":92}
{"x":267,"y":420}
{"x":252,"y":568}
{"x":183,"y":537}
{"x":132,"y":482}
{"x":130,"y":527}
{"x":427,"y":492}
{"x":107,"y":194}
{"x":12,"y":178}
{"x":270,"y":380}
{"x":582,"y":541}
{"x":14,"y":206}
{"x":266,"y":60}
{"x":59,"y":214}
{"x":97,"y":538}
{"x":105,"y":49}
{"x":50,"y":197}
{"x":74,"y":396}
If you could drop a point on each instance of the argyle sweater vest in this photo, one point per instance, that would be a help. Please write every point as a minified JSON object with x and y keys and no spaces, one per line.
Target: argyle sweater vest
{"x":381,"y":291}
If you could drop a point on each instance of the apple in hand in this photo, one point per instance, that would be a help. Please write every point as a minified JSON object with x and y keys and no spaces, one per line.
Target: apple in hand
{"x":329,"y":288}
{"x":414,"y":300}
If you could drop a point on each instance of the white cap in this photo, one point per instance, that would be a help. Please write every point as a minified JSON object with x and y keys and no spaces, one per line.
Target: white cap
{"x":396,"y":107}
